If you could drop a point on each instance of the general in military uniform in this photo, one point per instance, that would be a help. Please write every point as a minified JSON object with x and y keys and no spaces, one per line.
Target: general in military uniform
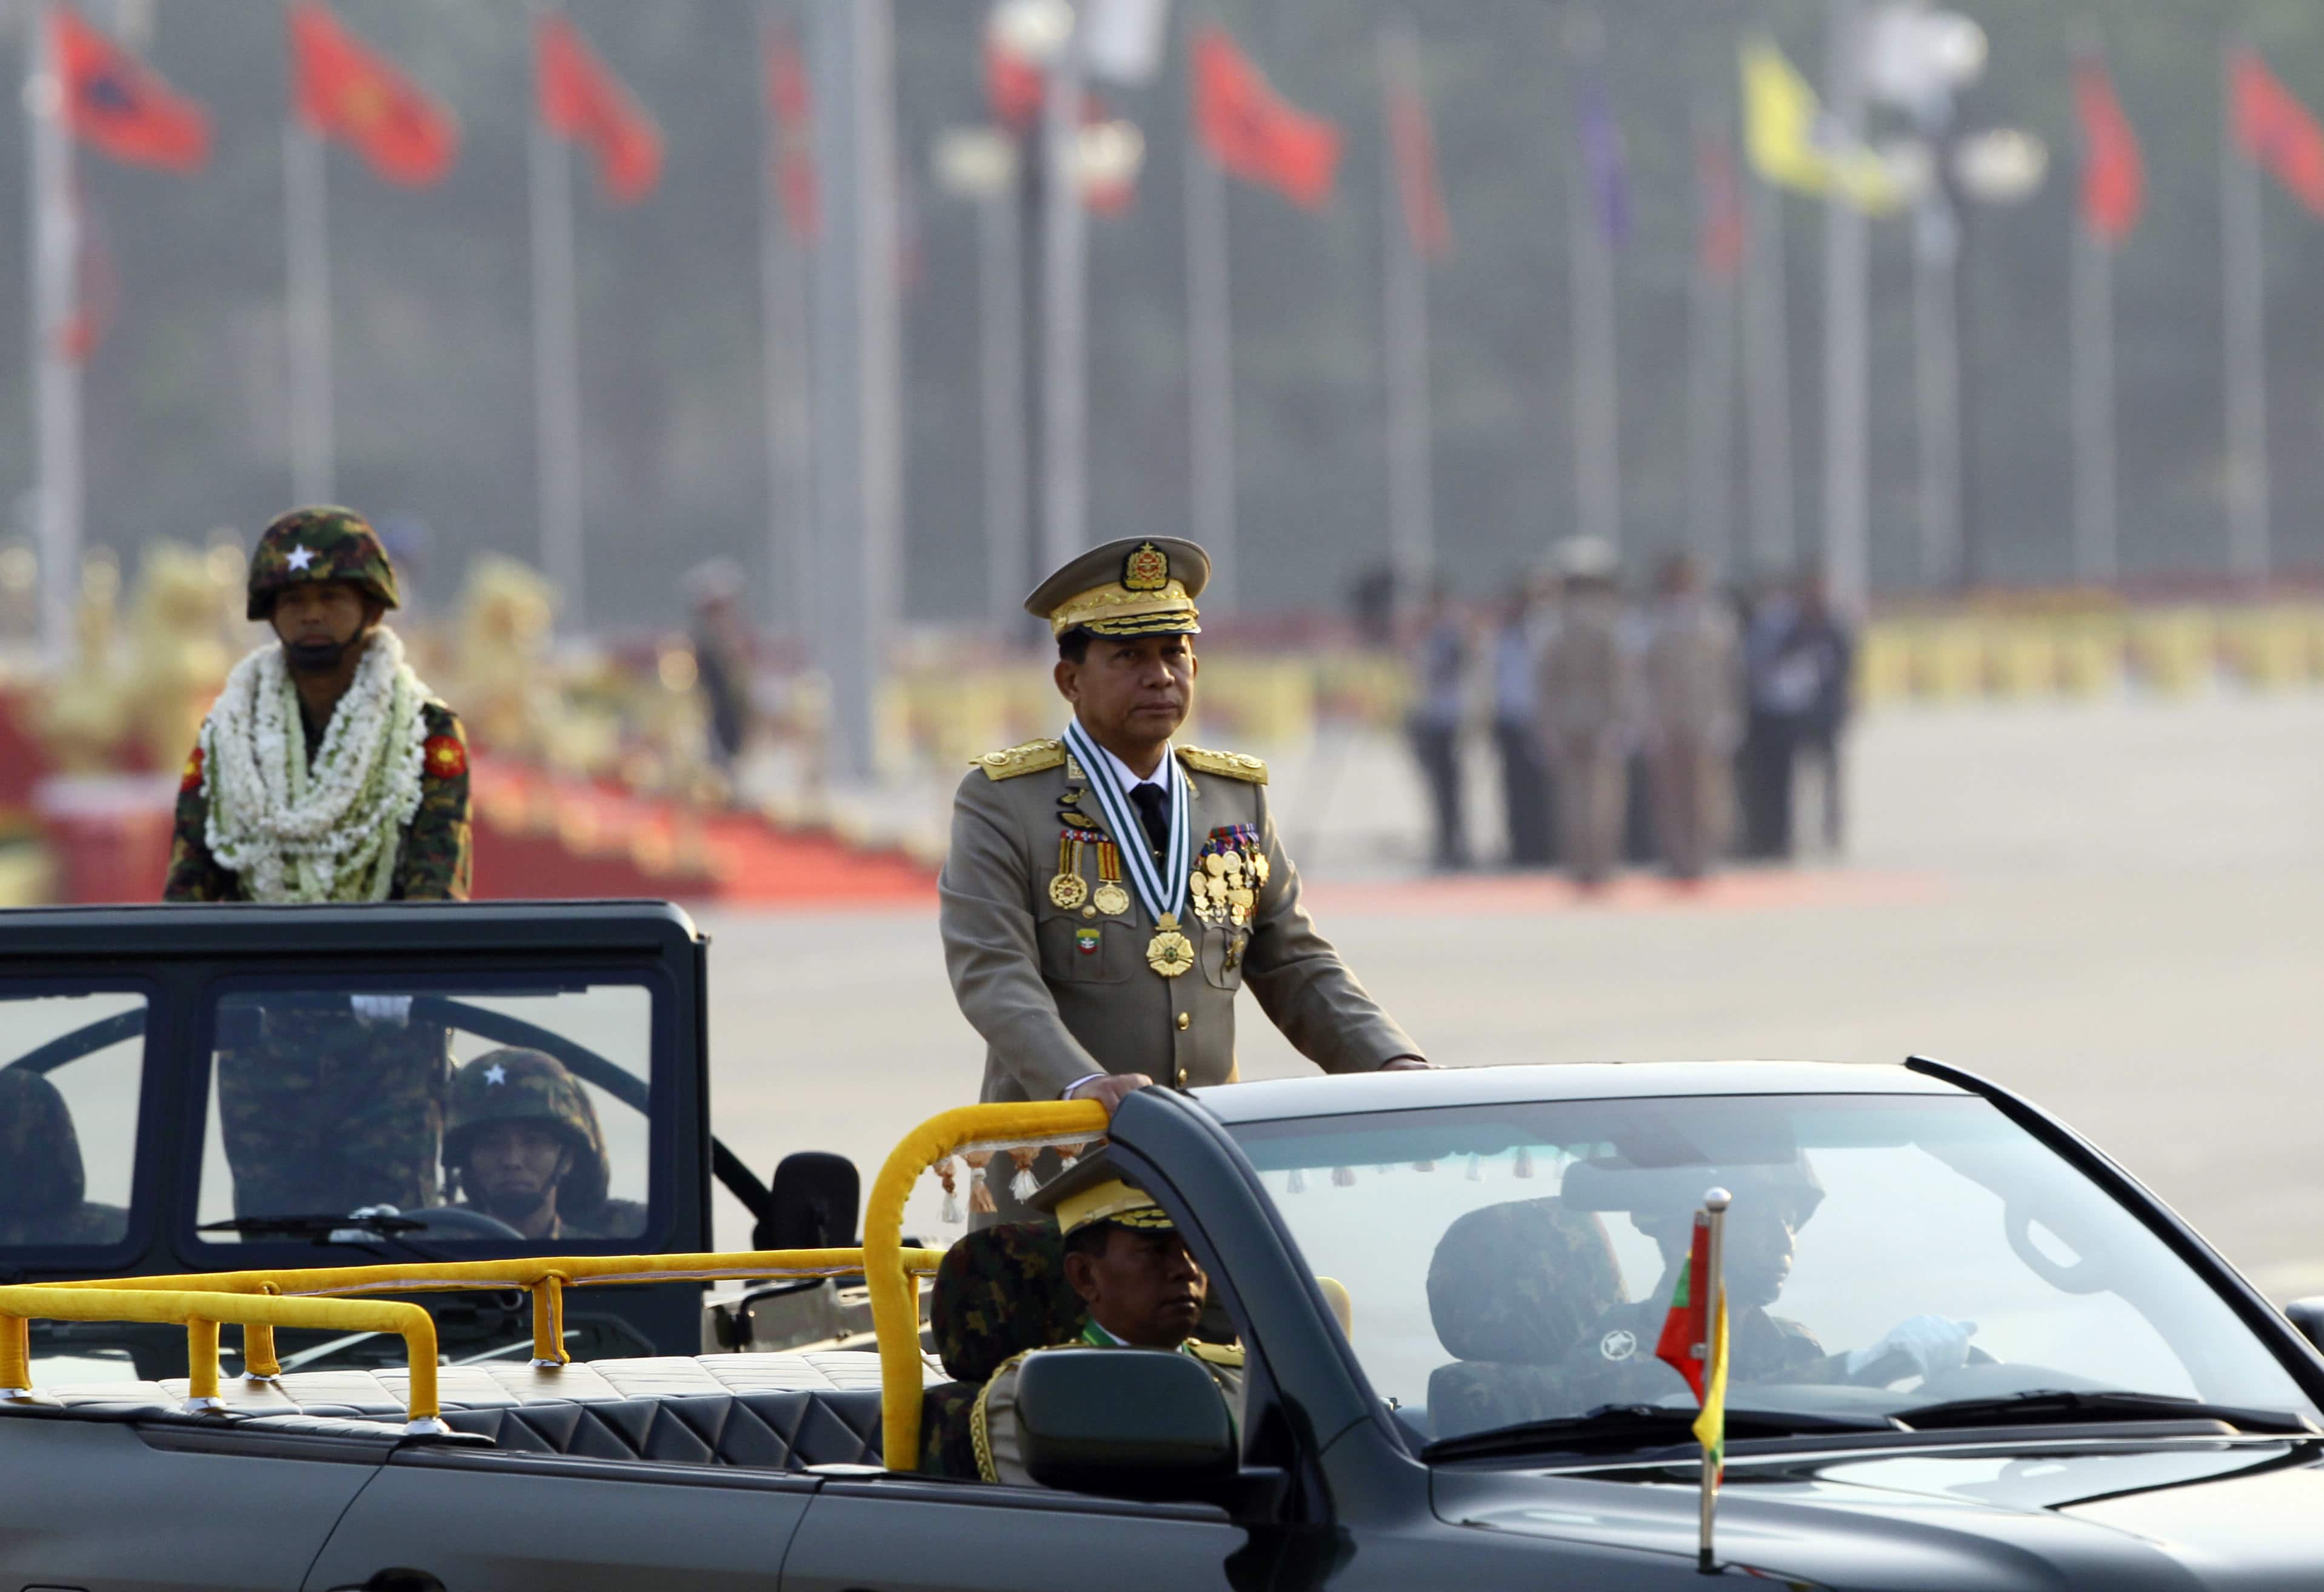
{"x":327,"y":771}
{"x":1107,"y":894}
{"x":522,"y":1145}
{"x":1142,"y":1289}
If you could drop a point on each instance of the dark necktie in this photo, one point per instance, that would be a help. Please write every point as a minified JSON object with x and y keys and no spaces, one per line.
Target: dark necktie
{"x":1153,"y":804}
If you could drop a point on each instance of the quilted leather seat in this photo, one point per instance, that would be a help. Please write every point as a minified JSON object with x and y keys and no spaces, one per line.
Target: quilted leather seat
{"x":751,"y":1431}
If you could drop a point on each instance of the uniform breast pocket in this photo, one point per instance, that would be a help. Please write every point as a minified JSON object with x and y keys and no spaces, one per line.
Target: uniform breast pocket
{"x":1075,"y":950}
{"x":1221,"y":954}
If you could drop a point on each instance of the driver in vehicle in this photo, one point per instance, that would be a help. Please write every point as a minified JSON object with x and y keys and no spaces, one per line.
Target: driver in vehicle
{"x":41,"y":1191}
{"x":1140,"y":1286}
{"x":522,"y":1146}
{"x":1614,"y":1363}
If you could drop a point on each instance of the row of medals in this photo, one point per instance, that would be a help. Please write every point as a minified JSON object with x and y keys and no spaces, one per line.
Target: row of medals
{"x":1223,"y":889}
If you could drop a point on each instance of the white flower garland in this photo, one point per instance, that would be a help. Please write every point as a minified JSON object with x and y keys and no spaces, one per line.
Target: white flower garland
{"x":330,"y":832}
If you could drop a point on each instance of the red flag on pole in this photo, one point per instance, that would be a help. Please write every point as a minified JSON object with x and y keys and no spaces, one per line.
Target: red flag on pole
{"x":1721,"y":196}
{"x":1013,"y":86}
{"x":1412,"y":138}
{"x":115,"y":103}
{"x":581,"y":100}
{"x":2114,"y":178}
{"x":1686,"y":1342}
{"x":346,"y":90}
{"x":2278,"y":132}
{"x":1252,"y":133}
{"x":792,"y":105}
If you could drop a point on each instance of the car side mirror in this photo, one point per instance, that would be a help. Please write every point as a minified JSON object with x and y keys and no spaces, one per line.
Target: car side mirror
{"x":2308,"y":1315}
{"x":812,"y":1204}
{"x":1123,"y":1423}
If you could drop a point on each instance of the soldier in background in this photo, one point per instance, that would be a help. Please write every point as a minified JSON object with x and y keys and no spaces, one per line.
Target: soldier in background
{"x":522,"y":1145}
{"x":1525,"y":805}
{"x":1588,"y":707}
{"x":1691,"y":673}
{"x":1440,"y":674}
{"x":722,"y":656}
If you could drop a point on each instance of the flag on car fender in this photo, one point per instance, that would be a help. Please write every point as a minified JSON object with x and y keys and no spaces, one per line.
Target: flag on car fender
{"x":118,"y":105}
{"x":344,"y":90}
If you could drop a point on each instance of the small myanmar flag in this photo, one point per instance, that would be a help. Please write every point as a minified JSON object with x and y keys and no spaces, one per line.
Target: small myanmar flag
{"x":1693,"y":1343}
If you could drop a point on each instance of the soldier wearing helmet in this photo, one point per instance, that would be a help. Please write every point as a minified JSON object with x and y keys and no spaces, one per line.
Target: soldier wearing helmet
{"x":522,"y":1145}
{"x":1615,"y":1361}
{"x":365,"y":797}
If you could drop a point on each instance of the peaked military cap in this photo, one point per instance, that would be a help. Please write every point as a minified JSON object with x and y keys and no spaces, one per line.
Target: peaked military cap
{"x":1092,"y":1190}
{"x":1137,"y":587}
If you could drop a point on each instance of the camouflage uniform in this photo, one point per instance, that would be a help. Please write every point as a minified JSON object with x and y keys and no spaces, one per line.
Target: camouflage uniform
{"x":41,"y":1194}
{"x":433,"y":857}
{"x":330,"y":1110}
{"x":519,"y":1085}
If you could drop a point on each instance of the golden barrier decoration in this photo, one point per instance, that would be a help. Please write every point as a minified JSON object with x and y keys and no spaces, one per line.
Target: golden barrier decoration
{"x":545,"y":1277}
{"x":886,"y":1268}
{"x":200,"y":1313}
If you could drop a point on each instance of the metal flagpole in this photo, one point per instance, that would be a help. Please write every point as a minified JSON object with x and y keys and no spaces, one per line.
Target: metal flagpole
{"x":2242,"y":244}
{"x":1710,"y":379}
{"x":1936,"y":383}
{"x":306,"y":215}
{"x":1597,"y":441}
{"x":1064,"y":283}
{"x":2097,"y":532}
{"x":1210,"y":366}
{"x":784,"y":372}
{"x":1714,"y":1206}
{"x":1412,"y":531}
{"x":1846,"y":371}
{"x":858,"y":362}
{"x":1000,"y":325}
{"x":556,"y":374}
{"x":56,"y":377}
{"x":1767,"y":379}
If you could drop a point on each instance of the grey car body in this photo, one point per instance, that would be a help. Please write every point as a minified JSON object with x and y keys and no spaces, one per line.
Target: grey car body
{"x":760,"y":1471}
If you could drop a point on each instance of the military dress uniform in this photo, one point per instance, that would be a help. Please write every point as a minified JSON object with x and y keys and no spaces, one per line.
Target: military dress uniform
{"x":328,"y":1111}
{"x":1057,"y":956}
{"x":1088,"y":1194}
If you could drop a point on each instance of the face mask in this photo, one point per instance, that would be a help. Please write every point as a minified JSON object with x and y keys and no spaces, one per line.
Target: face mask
{"x":314,"y":657}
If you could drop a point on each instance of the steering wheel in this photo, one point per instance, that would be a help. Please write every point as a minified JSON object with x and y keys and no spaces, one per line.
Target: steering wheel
{"x":451,"y":1221}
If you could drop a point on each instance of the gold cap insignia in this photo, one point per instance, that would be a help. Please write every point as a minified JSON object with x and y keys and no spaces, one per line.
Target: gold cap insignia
{"x":1145,"y":570}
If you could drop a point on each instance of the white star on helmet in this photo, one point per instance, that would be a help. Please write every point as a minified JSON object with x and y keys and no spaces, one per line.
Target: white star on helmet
{"x":495,"y":1073}
{"x":301,"y":556}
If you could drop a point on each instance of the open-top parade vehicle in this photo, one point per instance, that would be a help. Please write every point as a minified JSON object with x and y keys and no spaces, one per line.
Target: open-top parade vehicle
{"x":1969,"y":1352}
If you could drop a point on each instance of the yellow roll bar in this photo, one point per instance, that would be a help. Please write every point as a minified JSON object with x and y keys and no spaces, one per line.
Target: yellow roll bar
{"x":546,"y":1278}
{"x":895,"y":1310}
{"x":199,"y":1313}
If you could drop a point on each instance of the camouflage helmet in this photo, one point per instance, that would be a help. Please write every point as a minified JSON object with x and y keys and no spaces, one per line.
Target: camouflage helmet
{"x":38,"y":1146}
{"x":315,"y":544}
{"x":519,"y":1085}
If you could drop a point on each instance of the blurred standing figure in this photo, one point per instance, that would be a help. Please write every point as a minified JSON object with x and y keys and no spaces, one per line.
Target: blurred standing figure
{"x":1692,"y":677}
{"x":1824,"y":651}
{"x":1439,"y":671}
{"x":1587,"y":695}
{"x":1516,"y":727}
{"x":1771,"y":728}
{"x":722,"y":656}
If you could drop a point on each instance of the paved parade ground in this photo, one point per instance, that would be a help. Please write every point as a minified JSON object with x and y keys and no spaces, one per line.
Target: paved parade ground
{"x":2117,"y":908}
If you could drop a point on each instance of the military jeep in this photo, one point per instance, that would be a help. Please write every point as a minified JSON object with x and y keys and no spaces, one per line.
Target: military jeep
{"x":190,"y":1089}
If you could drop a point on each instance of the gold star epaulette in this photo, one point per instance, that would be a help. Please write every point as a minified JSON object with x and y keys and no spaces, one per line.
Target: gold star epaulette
{"x":1234,"y":765}
{"x":1029,"y":759}
{"x":1229,"y":1355}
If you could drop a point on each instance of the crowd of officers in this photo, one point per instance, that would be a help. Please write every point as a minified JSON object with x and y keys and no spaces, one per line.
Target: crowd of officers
{"x":1670,"y":731}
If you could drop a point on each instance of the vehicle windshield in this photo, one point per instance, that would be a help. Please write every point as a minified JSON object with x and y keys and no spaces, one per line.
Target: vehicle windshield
{"x":496,"y":1110}
{"x":71,"y":1065}
{"x":1513,"y":1263}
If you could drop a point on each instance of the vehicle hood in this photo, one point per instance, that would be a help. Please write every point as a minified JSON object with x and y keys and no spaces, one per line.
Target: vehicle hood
{"x":2204,"y":1512}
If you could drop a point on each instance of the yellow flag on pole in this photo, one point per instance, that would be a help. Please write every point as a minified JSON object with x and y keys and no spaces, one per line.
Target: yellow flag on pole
{"x":1793,"y":145}
{"x":1711,"y":1425}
